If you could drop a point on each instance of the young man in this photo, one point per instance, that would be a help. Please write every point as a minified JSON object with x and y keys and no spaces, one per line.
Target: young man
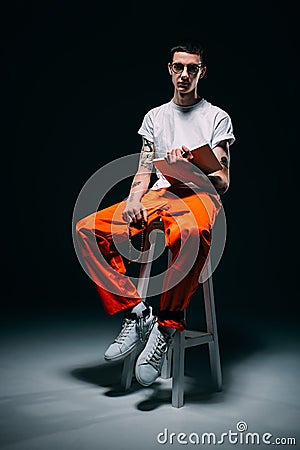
{"x":170,"y":131}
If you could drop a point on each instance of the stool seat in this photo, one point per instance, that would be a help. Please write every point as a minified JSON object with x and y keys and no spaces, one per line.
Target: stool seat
{"x":175,"y":357}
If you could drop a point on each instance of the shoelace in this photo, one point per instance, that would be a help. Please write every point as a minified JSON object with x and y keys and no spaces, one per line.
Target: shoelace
{"x":155,"y":356}
{"x":127,"y":327}
{"x":142,"y":329}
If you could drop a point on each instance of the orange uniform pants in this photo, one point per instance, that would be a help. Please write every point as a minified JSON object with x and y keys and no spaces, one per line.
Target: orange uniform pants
{"x":188,"y":218}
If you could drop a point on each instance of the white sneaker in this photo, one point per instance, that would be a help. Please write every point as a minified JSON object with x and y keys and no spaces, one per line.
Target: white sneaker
{"x":134,"y":331}
{"x":149,"y":363}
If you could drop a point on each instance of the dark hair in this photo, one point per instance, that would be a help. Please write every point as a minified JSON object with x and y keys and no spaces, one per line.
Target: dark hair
{"x":188,"y":47}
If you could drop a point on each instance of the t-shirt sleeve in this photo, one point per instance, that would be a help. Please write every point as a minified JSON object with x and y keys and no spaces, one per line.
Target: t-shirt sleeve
{"x":146,"y":128}
{"x":223,"y":130}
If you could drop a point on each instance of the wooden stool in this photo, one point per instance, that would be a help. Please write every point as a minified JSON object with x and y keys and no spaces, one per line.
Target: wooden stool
{"x":175,"y":357}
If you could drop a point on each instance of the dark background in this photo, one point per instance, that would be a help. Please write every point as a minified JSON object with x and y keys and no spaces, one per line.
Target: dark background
{"x":77,"y":79}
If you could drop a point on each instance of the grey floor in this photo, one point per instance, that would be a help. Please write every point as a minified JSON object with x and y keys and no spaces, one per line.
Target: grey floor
{"x":57,"y":392}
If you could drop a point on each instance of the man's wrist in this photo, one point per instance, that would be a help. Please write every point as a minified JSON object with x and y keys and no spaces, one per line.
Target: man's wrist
{"x":134,"y":197}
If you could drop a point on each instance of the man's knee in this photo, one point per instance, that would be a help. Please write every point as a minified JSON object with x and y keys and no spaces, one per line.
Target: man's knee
{"x":190,"y":232}
{"x":86,"y":224}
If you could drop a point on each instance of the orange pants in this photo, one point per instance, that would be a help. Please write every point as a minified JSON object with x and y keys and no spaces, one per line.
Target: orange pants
{"x":188,"y":219}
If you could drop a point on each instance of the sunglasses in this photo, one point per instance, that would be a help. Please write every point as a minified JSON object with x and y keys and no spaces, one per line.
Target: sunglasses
{"x":192,"y":69}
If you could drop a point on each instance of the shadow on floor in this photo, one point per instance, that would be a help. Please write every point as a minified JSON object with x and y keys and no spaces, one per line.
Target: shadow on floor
{"x":236,"y":345}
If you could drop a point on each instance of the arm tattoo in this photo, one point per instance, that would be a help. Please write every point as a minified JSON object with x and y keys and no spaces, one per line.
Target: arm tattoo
{"x":147,"y":155}
{"x":147,"y":145}
{"x":136,"y":183}
{"x":146,"y":160}
{"x":224,"y":161}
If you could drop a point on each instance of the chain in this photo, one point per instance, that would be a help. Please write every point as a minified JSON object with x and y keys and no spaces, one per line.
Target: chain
{"x":130,"y":260}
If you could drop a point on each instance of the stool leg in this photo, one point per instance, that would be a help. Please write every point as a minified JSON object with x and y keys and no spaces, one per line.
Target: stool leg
{"x":214,"y":353}
{"x":178,"y":369}
{"x":167,"y":365}
{"x":127,"y":372}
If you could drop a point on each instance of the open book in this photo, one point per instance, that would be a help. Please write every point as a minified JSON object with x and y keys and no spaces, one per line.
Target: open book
{"x":187,"y":170}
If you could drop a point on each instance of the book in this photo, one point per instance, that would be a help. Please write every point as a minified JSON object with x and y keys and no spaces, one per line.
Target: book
{"x":188,"y":170}
{"x":205,"y":159}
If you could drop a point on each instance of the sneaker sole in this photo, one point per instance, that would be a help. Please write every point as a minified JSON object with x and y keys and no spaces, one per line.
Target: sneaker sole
{"x":142,"y":382}
{"x":122,"y":355}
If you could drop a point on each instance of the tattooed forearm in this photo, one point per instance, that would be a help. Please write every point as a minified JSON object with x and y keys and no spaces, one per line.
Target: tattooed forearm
{"x":146,"y":160}
{"x":131,"y":197}
{"x":147,"y":155}
{"x":142,"y":177}
{"x":136,"y":183}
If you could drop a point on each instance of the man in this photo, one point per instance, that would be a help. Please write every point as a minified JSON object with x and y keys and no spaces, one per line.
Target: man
{"x":170,"y":131}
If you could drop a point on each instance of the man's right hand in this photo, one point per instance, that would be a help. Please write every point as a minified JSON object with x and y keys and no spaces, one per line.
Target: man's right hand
{"x":134,"y":211}
{"x":183,"y":154}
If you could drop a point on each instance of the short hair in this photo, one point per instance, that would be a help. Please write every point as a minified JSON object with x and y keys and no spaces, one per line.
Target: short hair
{"x":194,"y":48}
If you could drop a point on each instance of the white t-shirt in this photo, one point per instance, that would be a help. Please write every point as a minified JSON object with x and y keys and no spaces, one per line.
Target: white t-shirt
{"x":170,"y":126}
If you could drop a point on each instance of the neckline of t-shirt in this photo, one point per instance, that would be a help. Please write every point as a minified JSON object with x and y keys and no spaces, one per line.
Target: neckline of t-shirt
{"x":186,"y":108}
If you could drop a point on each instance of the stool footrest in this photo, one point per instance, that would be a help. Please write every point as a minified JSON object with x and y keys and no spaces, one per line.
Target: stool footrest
{"x":193,"y":338}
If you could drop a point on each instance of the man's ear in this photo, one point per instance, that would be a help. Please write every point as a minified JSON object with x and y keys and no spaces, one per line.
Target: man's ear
{"x":170,"y":68}
{"x":203,"y":72}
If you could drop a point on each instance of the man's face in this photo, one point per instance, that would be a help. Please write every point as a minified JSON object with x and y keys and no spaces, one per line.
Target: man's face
{"x":186,"y":81}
